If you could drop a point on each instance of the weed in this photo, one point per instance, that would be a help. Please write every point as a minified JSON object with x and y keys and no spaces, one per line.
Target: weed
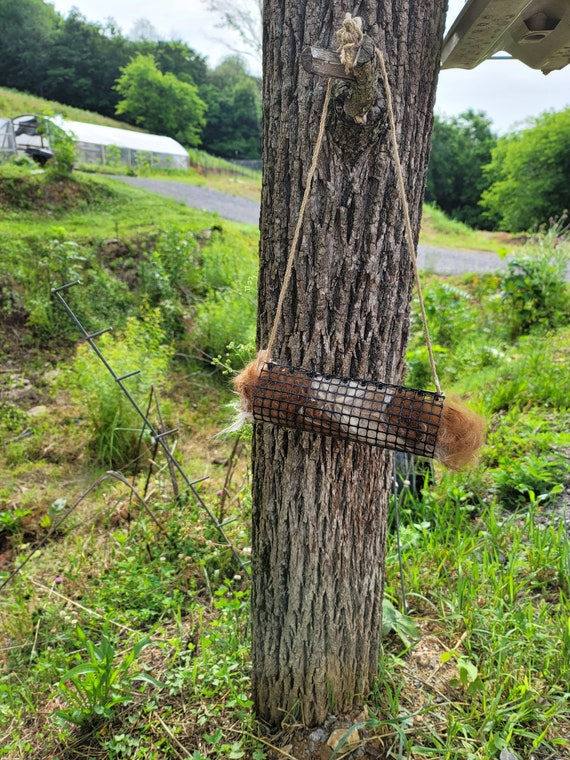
{"x":94,"y":688}
{"x":534,"y":291}
{"x":117,"y":428}
{"x":529,"y":479}
{"x":60,"y":166}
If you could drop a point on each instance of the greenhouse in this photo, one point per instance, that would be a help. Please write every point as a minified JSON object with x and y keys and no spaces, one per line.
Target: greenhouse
{"x":108,"y":145}
{"x":96,"y":144}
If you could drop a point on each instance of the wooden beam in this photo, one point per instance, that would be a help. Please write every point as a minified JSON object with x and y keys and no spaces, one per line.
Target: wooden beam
{"x":324,"y":63}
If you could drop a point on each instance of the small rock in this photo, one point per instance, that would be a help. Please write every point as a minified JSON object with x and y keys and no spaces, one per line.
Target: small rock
{"x":351,"y":742}
{"x":319,"y":735}
{"x":37,"y":411}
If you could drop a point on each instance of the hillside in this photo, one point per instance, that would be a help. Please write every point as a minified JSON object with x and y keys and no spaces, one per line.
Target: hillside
{"x":14,"y":103}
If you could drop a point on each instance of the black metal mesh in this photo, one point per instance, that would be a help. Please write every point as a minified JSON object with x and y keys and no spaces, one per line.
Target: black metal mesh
{"x":390,"y":416}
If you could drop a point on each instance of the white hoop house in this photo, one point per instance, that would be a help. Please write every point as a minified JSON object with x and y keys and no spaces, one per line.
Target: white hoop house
{"x":96,"y":144}
{"x":103,"y":145}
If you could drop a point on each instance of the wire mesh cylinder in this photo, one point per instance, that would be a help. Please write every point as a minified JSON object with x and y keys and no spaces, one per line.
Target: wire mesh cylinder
{"x":379,"y":414}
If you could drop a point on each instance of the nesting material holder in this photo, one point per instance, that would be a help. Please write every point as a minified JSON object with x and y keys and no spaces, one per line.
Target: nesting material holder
{"x":379,"y":414}
{"x":359,"y":410}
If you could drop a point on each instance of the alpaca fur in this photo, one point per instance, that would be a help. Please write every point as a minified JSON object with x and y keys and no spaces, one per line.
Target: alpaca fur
{"x":461,"y":435}
{"x":396,"y":417}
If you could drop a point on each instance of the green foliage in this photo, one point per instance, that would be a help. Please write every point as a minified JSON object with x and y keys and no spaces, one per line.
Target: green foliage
{"x":32,"y":268}
{"x":535,"y":372}
{"x":460,"y":148}
{"x":11,"y":519}
{"x":82,"y":64}
{"x":117,"y":430}
{"x":175,"y":57}
{"x":22,"y":21}
{"x":233,"y":120}
{"x":160,"y":102}
{"x":393,"y":621}
{"x":528,"y":174}
{"x":473,"y":328}
{"x":94,"y":688}
{"x":463,"y":340}
{"x":534,"y":290}
{"x":529,"y":479}
{"x":496,"y":579}
{"x":487,"y":588}
{"x":62,"y":144}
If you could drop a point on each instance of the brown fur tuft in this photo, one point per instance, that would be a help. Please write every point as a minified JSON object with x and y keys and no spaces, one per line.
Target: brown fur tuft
{"x":244,"y":383}
{"x":461,"y":434}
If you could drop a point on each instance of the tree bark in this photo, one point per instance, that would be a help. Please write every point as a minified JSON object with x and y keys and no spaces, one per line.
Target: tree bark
{"x":319,"y":504}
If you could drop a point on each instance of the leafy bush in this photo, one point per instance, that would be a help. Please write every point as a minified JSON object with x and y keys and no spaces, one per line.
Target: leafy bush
{"x":62,"y":145}
{"x":528,"y":174}
{"x":116,"y":427}
{"x":462,"y":340}
{"x":223,"y":319}
{"x":528,"y":479}
{"x":533,"y":289}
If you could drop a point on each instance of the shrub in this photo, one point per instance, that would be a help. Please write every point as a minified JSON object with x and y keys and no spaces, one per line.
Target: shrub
{"x":533,"y":289}
{"x":224,"y":318}
{"x":62,"y":145}
{"x":116,"y":427}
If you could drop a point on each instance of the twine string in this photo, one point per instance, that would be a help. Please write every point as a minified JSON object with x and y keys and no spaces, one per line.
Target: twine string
{"x":406,"y":212}
{"x":295,"y":241}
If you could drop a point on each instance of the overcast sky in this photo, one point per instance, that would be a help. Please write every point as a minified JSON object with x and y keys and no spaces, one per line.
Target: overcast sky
{"x":508,"y":91}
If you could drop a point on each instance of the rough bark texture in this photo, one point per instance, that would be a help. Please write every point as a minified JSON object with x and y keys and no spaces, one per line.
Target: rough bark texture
{"x":319,"y":505}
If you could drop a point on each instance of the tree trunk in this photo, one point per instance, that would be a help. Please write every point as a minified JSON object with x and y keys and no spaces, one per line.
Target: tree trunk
{"x":319,"y":504}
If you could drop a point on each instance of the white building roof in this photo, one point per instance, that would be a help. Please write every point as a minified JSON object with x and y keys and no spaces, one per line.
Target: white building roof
{"x":122,"y":138}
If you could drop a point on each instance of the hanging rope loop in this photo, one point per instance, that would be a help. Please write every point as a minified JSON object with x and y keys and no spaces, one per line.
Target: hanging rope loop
{"x":350,"y":37}
{"x":378,"y":414}
{"x":296,"y":234}
{"x":406,"y":212}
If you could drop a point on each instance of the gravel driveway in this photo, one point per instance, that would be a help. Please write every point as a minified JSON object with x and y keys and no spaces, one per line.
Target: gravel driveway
{"x":438,"y":260}
{"x":228,"y":206}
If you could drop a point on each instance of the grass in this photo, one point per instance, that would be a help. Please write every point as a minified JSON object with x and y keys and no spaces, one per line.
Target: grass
{"x":118,"y":211}
{"x":440,"y":231}
{"x":15,"y":103}
{"x":126,"y":633}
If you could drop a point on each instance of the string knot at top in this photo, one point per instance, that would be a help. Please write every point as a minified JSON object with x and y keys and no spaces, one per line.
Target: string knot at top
{"x":349,"y":38}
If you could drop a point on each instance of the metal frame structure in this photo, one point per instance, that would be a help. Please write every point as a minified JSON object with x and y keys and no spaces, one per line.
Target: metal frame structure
{"x":159,"y":437}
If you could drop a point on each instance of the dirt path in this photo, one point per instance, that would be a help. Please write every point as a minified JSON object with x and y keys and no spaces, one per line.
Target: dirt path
{"x":438,"y":260}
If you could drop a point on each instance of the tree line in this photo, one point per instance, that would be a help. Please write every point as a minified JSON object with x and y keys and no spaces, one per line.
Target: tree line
{"x":162,"y":86}
{"x":516,"y":182}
